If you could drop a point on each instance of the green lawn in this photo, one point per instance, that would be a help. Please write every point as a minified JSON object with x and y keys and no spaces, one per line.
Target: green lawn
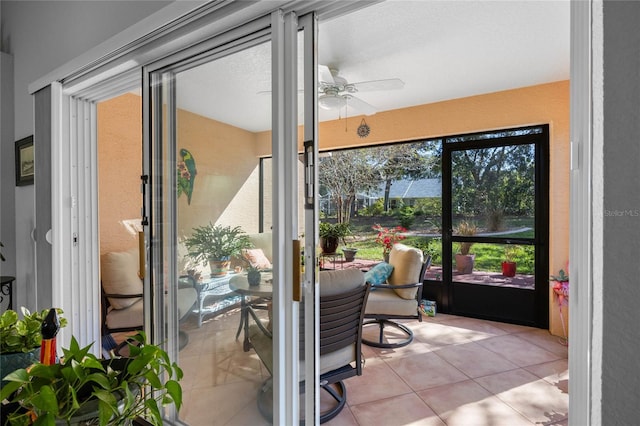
{"x":489,"y":257}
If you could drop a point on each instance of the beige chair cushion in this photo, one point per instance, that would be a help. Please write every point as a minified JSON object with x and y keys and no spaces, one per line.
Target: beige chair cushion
{"x":339,"y":281}
{"x":263,"y":241}
{"x":407,"y":264}
{"x":385,"y":301}
{"x":186,"y":299}
{"x":262,"y":344}
{"x":119,"y":275}
{"x":132,"y":317}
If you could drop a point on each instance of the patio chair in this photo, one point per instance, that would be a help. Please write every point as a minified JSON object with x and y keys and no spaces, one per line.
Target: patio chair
{"x":122,"y":304}
{"x":398,"y":297}
{"x":343,"y":295}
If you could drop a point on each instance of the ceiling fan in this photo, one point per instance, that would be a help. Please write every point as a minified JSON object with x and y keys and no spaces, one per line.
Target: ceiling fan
{"x":336,"y":92}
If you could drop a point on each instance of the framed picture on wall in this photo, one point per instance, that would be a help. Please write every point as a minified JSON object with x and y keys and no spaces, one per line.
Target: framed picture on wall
{"x":25,"y":161}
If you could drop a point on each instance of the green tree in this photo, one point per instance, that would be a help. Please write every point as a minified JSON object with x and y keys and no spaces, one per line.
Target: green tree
{"x":497,"y":178}
{"x":403,"y":161}
{"x":343,"y":174}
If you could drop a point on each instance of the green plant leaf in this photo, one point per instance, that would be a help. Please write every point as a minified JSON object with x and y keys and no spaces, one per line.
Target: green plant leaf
{"x":78,"y":369}
{"x":100,"y":379}
{"x":46,"y":400}
{"x":105,"y":412}
{"x":130,"y":399}
{"x":45,"y":371}
{"x":136,"y":366}
{"x":10,"y":387}
{"x":178,"y":371}
{"x":8,"y":318}
{"x":153,"y":379}
{"x":20,"y":375}
{"x":74,"y":347}
{"x":175,"y":390}
{"x":91,"y":362}
{"x":152,"y":406}
{"x":105,"y":395}
{"x":74,"y":398}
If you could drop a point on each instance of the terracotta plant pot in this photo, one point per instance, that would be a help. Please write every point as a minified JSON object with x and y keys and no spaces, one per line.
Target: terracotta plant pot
{"x":465,"y":262}
{"x":509,"y":269}
{"x":219,"y":268}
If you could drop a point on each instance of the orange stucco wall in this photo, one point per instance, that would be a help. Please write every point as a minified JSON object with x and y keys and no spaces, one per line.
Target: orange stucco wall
{"x":119,"y":170}
{"x":226,"y":185}
{"x":227,"y":157}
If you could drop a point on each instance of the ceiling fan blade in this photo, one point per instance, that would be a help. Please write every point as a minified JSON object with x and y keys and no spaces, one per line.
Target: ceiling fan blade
{"x":360,"y":105}
{"x":324,"y":75}
{"x":387,"y":84}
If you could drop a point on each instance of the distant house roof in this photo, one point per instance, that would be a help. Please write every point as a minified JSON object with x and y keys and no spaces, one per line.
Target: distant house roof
{"x":419,"y":188}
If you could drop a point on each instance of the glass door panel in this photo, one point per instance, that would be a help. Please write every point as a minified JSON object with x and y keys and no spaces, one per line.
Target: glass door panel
{"x":492,"y":198}
{"x":224,"y":228}
{"x":230,"y":200}
{"x":495,"y":264}
{"x":494,"y":189}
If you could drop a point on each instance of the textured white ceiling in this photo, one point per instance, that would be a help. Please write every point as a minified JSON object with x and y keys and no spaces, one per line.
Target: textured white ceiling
{"x":440,"y":49}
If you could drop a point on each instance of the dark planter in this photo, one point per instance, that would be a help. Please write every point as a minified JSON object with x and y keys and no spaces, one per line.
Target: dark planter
{"x":509,"y":269}
{"x":329,"y":245}
{"x":349,"y":254}
{"x":17,"y":360}
{"x":253,"y":277}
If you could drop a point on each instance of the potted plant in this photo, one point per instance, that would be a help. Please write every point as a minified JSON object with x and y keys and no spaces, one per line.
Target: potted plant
{"x":84,"y":389}
{"x":464,"y":258}
{"x":349,"y":253}
{"x":253,"y":276}
{"x":331,"y":234}
{"x":387,"y":237}
{"x":20,"y":339}
{"x":509,"y":264}
{"x":216,"y":244}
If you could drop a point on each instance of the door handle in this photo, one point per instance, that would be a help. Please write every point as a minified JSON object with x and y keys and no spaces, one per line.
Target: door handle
{"x":142,"y":256}
{"x":297,"y":286}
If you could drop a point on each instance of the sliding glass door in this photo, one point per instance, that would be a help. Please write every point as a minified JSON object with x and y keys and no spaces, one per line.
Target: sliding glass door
{"x":227,"y":200}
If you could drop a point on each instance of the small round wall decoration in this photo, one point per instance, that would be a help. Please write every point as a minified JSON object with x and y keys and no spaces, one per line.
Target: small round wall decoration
{"x":363,"y":129}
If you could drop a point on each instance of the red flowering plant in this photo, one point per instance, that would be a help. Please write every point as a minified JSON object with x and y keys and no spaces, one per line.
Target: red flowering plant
{"x":387,"y":237}
{"x":561,"y":290}
{"x":561,"y":286}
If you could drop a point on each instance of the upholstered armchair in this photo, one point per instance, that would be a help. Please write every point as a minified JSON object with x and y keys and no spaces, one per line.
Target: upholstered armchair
{"x":122,"y":293}
{"x":343,"y":295}
{"x":396,"y":289}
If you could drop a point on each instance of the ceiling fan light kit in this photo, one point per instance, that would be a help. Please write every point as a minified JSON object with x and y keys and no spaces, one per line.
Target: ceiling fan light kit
{"x":336,"y":92}
{"x":331,"y":101}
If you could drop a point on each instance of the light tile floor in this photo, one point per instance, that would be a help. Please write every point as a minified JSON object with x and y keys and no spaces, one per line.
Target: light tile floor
{"x":457,"y":371}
